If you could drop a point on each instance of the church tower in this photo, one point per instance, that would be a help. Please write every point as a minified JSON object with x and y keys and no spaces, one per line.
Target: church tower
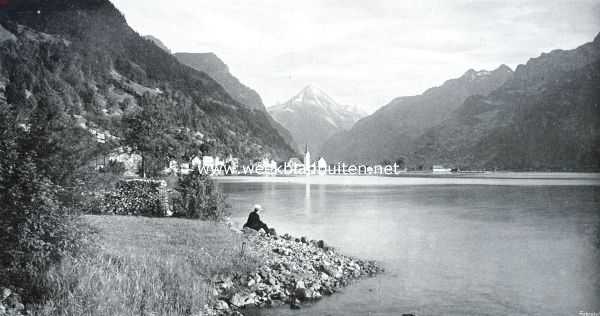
{"x":306,"y":160}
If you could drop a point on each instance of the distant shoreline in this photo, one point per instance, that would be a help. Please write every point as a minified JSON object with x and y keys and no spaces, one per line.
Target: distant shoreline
{"x":409,"y":178}
{"x":549,"y":175}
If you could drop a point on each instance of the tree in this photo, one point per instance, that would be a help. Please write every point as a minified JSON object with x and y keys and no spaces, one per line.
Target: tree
{"x":145,"y":134}
{"x":37,"y":228}
{"x":199,"y":198}
{"x":400,"y":162}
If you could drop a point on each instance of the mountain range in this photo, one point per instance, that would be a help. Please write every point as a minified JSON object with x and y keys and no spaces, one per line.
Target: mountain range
{"x":84,"y":57}
{"x":547,"y":117}
{"x":390,"y":132}
{"x":543,"y":116}
{"x":312,"y":117}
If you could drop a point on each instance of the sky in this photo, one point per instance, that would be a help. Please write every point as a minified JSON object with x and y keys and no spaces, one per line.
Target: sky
{"x":362,"y":52}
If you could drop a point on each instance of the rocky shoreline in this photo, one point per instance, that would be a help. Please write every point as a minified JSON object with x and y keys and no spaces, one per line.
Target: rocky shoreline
{"x":297,"y":270}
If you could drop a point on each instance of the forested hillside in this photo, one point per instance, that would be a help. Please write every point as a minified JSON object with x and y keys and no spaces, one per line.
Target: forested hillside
{"x":83,"y":59}
{"x":213,"y":66}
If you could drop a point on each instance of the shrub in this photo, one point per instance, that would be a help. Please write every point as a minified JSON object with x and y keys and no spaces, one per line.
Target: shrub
{"x":37,"y":227}
{"x":36,"y":231}
{"x":135,"y":197}
{"x":198,"y":197}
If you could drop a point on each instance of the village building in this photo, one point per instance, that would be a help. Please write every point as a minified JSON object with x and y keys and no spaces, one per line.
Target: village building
{"x":131,"y":162}
{"x":196,"y":162}
{"x":307,"y":165}
{"x":208,"y":162}
{"x":219,"y":163}
{"x":321,"y":166}
{"x":173,"y":167}
{"x":184,"y":168}
{"x":440,"y":169}
{"x":232,"y":164}
{"x":294,"y":164}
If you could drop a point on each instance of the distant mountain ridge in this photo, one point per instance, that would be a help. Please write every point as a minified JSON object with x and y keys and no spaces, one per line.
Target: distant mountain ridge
{"x":212,"y":65}
{"x":390,"y":132}
{"x":218,"y":70}
{"x":546,"y":118}
{"x":312,"y":116}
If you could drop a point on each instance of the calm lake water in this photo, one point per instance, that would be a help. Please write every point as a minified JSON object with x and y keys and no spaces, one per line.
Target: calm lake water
{"x":518,"y":245}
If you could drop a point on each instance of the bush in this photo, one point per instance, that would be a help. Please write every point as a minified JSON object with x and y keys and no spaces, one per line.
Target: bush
{"x":198,"y":197}
{"x":37,"y":226}
{"x":36,"y":231}
{"x":134,"y":197}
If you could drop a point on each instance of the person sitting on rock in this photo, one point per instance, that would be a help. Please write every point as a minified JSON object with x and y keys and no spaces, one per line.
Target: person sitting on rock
{"x":254,"y":221}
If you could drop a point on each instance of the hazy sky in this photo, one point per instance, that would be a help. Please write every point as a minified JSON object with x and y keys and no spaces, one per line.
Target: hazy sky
{"x":362,"y":52}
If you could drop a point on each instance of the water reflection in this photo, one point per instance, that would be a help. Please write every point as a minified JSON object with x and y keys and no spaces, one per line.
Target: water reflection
{"x":307,"y":202}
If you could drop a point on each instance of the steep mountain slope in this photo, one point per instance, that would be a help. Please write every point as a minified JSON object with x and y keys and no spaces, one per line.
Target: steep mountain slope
{"x":158,"y":43}
{"x":312,"y":116}
{"x":213,"y":66}
{"x":218,"y":70}
{"x":83,"y":57}
{"x":546,"y":118}
{"x":390,"y":132}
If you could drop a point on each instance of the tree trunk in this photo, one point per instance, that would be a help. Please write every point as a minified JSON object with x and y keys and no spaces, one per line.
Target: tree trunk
{"x":143,"y":166}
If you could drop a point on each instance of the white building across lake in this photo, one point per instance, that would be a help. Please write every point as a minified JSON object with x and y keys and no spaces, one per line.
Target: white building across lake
{"x":440,"y":169}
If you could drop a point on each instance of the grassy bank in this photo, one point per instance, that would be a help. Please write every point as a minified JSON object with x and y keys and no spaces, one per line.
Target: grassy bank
{"x":147,"y":266}
{"x":171,"y":266}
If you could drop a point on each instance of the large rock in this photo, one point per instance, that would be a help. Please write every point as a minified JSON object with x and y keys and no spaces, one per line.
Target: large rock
{"x":221,"y":305}
{"x":243,"y":300}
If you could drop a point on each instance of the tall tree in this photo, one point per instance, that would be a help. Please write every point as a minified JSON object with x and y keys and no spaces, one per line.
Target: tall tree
{"x":145,"y":134}
{"x":37,"y":227}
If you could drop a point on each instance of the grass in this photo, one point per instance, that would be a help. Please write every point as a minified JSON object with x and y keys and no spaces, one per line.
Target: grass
{"x":147,"y":266}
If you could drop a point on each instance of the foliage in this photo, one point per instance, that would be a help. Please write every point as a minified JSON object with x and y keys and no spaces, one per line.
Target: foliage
{"x":145,"y":134}
{"x":199,"y":198}
{"x":134,"y":198}
{"x":37,"y":227}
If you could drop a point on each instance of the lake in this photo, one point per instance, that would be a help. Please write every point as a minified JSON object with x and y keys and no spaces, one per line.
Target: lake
{"x":514,"y":244}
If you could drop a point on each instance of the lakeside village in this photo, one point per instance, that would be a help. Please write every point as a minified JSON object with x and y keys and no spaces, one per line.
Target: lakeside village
{"x":230,"y":165}
{"x":215,"y":165}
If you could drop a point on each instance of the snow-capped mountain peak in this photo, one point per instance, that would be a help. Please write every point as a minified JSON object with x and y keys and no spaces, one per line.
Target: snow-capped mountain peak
{"x":312,"y":116}
{"x":314,"y":96}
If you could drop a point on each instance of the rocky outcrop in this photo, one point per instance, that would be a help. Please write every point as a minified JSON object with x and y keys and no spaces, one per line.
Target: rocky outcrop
{"x":11,"y":303}
{"x":296,"y":270}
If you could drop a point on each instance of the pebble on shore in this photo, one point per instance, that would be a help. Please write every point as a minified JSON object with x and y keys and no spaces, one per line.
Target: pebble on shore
{"x":10,"y":302}
{"x":296,"y":270}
